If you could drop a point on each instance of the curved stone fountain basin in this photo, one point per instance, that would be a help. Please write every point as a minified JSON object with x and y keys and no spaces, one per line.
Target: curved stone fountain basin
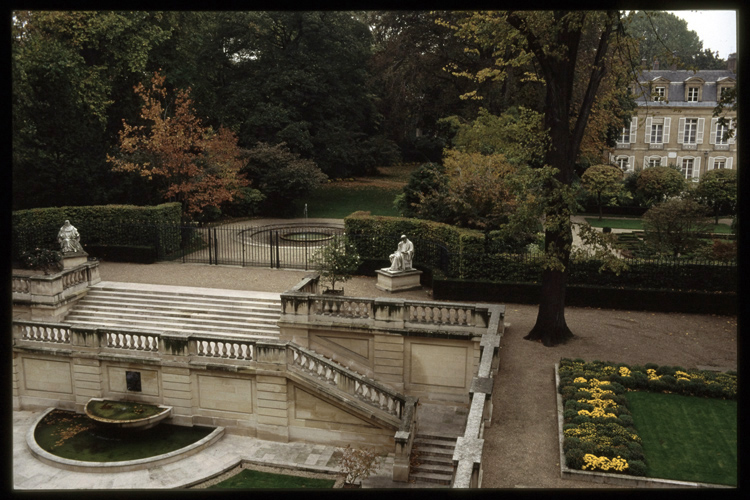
{"x":125,"y":466}
{"x":138,"y":423}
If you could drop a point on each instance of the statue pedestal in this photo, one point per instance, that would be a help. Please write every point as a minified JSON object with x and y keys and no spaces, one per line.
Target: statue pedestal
{"x":74,"y":259}
{"x":398,"y":281}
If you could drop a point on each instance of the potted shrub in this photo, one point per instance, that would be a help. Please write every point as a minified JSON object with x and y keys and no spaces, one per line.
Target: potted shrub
{"x":41,"y":259}
{"x":358,"y":464}
{"x":337,"y":262}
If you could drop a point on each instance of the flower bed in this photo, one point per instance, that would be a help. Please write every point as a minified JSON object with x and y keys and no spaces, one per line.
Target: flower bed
{"x":598,"y":431}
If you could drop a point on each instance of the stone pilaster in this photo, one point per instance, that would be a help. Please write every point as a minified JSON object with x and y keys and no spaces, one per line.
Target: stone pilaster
{"x":273,"y":408}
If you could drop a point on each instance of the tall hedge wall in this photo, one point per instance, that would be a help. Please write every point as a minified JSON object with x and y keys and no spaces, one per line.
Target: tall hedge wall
{"x":376,"y":237}
{"x":102,"y":225}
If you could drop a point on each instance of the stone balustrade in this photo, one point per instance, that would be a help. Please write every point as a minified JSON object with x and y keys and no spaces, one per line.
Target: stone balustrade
{"x":196,"y":349}
{"x":350,"y":382}
{"x":388,"y":313}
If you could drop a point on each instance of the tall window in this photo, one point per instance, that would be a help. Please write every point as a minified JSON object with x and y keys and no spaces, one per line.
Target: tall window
{"x":624,"y":136}
{"x":654,"y":161}
{"x":660,"y":93}
{"x":721,"y":131}
{"x":720,"y":163}
{"x":691,"y":131}
{"x":692,"y":95}
{"x":687,"y":168}
{"x":622,"y":163}
{"x":657,"y":133}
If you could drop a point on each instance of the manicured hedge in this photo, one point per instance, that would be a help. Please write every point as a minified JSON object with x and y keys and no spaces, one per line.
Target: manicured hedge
{"x":108,"y":225}
{"x":634,"y":299}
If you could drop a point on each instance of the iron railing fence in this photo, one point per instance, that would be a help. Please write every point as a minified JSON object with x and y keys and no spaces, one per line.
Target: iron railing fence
{"x":293,"y":245}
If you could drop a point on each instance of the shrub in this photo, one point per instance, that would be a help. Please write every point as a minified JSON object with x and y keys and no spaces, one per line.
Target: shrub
{"x":626,"y":420}
{"x":336,"y":261}
{"x":637,"y":468}
{"x":358,"y":464}
{"x":42,"y":259}
{"x":574,"y":458}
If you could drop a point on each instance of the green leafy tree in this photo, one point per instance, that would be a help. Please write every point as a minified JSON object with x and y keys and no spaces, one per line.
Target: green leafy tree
{"x":280,"y":175}
{"x":517,"y":134}
{"x":337,"y":261}
{"x":666,"y":37}
{"x":656,"y":184}
{"x":73,"y":74}
{"x":604,"y":182}
{"x":675,"y":225}
{"x":572,"y":53}
{"x":423,"y":195}
{"x":717,"y":189}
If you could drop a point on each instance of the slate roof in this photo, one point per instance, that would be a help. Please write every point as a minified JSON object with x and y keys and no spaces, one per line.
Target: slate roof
{"x":677,"y":86}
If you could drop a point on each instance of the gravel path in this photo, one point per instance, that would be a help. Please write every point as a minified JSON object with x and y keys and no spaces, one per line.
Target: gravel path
{"x":521,"y":447}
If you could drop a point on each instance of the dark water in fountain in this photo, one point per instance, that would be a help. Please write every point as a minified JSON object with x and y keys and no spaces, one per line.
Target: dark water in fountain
{"x":77,"y":437}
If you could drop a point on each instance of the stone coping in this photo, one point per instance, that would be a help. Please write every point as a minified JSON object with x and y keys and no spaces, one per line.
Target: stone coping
{"x":613,"y":479}
{"x":123,"y":466}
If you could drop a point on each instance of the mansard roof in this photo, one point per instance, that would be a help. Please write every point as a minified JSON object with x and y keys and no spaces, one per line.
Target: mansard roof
{"x":676,"y":79}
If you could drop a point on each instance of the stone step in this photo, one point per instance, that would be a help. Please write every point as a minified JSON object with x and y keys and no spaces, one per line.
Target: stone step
{"x":430,"y":441}
{"x":179,"y":309}
{"x":174,"y":315}
{"x":243,"y":334}
{"x":443,"y":460}
{"x":151,"y":297}
{"x":429,"y":477}
{"x":156,"y":323}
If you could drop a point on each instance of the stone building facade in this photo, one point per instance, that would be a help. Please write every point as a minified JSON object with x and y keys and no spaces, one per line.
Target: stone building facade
{"x":674,"y":122}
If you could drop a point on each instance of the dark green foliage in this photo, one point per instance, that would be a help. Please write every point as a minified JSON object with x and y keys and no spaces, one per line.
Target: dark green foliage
{"x":426,"y":179}
{"x":41,"y":259}
{"x":626,"y":420}
{"x":574,"y":458}
{"x":112,"y":225}
{"x":123,"y":253}
{"x":637,"y":468}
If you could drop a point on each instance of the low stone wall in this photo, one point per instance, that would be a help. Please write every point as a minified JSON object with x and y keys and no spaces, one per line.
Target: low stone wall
{"x":49,"y":297}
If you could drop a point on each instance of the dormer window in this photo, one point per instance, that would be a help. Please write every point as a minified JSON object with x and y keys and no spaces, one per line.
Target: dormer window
{"x":659,"y":94}
{"x":692,"y":94}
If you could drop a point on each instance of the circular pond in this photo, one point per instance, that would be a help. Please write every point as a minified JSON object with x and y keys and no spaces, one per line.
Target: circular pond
{"x":306,"y":236}
{"x":73,"y":441}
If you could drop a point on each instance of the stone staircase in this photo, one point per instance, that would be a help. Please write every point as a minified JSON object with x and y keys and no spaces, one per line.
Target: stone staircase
{"x":179,"y":309}
{"x":432,"y":459}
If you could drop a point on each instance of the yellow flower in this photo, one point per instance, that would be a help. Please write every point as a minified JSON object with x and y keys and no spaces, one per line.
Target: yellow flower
{"x":579,"y":380}
{"x":624,"y":371}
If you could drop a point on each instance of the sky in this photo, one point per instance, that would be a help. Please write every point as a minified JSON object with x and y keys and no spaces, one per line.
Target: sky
{"x":717,"y":29}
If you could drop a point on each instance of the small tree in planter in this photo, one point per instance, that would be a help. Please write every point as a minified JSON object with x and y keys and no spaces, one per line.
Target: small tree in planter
{"x":358,"y":464}
{"x":336,"y":262}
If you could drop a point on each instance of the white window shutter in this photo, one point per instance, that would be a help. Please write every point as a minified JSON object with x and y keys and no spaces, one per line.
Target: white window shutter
{"x":645,"y":162}
{"x":711,"y":163}
{"x":667,"y":122}
{"x":680,"y":131}
{"x":701,"y":123}
{"x":663,"y":161}
{"x":714,"y":124}
{"x":631,"y":163}
{"x":697,"y":167}
{"x":679,"y":162}
{"x":734,"y":136}
{"x":633,"y":129}
{"x":648,"y":130}
{"x":728,"y":164}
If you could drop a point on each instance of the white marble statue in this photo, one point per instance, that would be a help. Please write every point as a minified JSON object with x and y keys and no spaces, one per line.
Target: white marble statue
{"x":401,"y":259}
{"x":70,"y":240}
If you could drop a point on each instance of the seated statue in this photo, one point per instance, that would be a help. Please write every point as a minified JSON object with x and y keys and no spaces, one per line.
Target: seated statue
{"x":70,"y":240}
{"x":402,"y":258}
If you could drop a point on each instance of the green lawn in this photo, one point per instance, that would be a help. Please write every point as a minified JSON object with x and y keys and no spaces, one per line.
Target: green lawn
{"x":336,"y":201}
{"x":637,"y":225}
{"x":687,"y":438}
{"x":253,"y":479}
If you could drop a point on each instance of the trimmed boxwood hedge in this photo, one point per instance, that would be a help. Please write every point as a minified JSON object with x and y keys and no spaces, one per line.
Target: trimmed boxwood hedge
{"x":100,"y":225}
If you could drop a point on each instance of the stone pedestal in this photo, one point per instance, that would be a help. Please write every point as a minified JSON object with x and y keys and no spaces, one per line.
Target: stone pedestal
{"x":398,"y":281}
{"x":74,"y":259}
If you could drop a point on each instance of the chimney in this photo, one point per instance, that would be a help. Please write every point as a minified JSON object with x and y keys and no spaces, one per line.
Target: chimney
{"x":673,"y":64}
{"x":732,"y":62}
{"x":644,"y":64}
{"x":656,"y":64}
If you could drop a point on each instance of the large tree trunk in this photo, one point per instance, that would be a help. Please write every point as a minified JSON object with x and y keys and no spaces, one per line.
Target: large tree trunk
{"x":550,"y":328}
